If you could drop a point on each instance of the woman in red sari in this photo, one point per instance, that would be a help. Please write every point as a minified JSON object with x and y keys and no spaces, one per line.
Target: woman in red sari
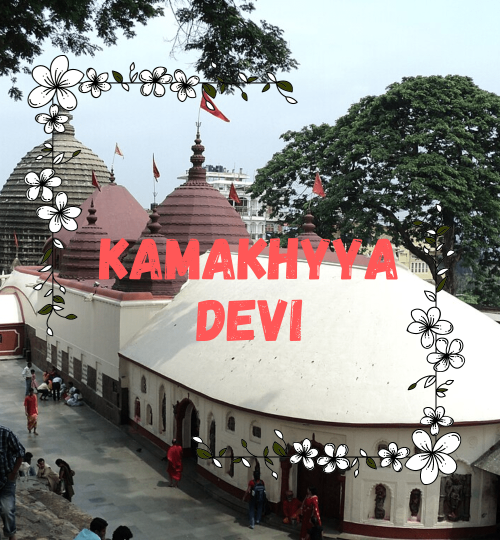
{"x":31,"y":410}
{"x":309,"y":509}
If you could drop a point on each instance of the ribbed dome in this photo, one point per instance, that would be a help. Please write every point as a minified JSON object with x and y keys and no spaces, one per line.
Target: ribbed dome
{"x":198,"y":211}
{"x":18,"y":214}
{"x":81,"y":257}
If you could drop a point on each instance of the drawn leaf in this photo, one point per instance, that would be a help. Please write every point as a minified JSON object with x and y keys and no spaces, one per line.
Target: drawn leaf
{"x":49,"y":331}
{"x":266,"y":87}
{"x":75,"y":153}
{"x":252,"y":79}
{"x":47,"y":255}
{"x":134,"y":77}
{"x":430,"y":240}
{"x":39,"y":157}
{"x":57,"y":308}
{"x":275,"y":475}
{"x":266,"y":451}
{"x":217,"y":463}
{"x":222,"y":452}
{"x":203,"y":454}
{"x":45,"y":310}
{"x":210,"y":90}
{"x":269,"y":460}
{"x":285,"y":85}
{"x":356,"y":472}
{"x":278,"y":433}
{"x":62,"y":288}
{"x":242,"y":76}
{"x":442,"y":271}
{"x":45,"y":268}
{"x":47,"y":150}
{"x":430,"y":296}
{"x":429,"y":381}
{"x":58,"y":158}
{"x":417,"y":222}
{"x":271,"y":77}
{"x":222,"y":88}
{"x":58,"y":243}
{"x":441,"y":284}
{"x":244,"y":96}
{"x":118,"y":77}
{"x":245,"y":462}
{"x":371,"y":463}
{"x":197,"y":439}
{"x":132,"y":66}
{"x":279,"y":450}
{"x":237,"y":460}
{"x":48,"y":293}
{"x":243,"y":443}
{"x":442,"y":230}
{"x":71,"y":316}
{"x":59,"y":299}
{"x":38,"y":287}
{"x":362,"y":452}
{"x":412,"y":386}
{"x":125,"y":86}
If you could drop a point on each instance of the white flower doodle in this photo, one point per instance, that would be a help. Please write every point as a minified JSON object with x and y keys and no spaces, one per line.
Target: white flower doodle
{"x":436,"y":418}
{"x":428,"y":324}
{"x":53,"y":120}
{"x":447,"y":355}
{"x":96,"y":83}
{"x":61,"y":216}
{"x":334,"y":459}
{"x":392,"y":456}
{"x":304,"y":453}
{"x":183,"y":87}
{"x":153,"y":82}
{"x":41,"y":184}
{"x":55,"y":81}
{"x":435,"y":458}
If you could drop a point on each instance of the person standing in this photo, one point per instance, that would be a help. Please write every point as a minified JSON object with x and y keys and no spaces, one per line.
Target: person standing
{"x":56,"y":387}
{"x":26,"y":374}
{"x":31,"y":410}
{"x":34,"y":384}
{"x":257,"y":491}
{"x":11,"y":457}
{"x":310,"y":509}
{"x":174,"y":456}
{"x":66,"y":479}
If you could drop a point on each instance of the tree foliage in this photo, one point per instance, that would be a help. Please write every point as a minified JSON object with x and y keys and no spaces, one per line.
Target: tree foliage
{"x":390,"y":160}
{"x":216,"y":28}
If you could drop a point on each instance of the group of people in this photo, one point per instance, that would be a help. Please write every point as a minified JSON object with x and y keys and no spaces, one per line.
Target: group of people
{"x":52,"y":385}
{"x":61,"y":483}
{"x":306,"y":512}
{"x":97,"y":531}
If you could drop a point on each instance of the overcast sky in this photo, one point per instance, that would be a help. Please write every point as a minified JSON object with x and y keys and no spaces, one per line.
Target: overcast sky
{"x":346,"y":50}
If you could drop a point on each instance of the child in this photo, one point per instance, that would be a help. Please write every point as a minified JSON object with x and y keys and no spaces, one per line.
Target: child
{"x":34,"y":384}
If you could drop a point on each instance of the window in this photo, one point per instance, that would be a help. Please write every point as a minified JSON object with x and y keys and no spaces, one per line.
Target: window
{"x":230,"y":462}
{"x":137,"y":410}
{"x":231,"y":423}
{"x":256,"y":432}
{"x":382,"y":446}
{"x":143,"y":384}
{"x":149,"y":415}
{"x":415,"y":503}
{"x":211,"y":437}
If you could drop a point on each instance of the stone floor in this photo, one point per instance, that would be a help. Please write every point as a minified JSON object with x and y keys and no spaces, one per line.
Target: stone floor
{"x":119,"y":477}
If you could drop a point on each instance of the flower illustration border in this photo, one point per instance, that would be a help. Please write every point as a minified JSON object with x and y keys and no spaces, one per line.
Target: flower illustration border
{"x":432,"y":458}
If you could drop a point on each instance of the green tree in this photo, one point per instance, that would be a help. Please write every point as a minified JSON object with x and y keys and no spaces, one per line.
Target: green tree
{"x":216,"y":28}
{"x":390,"y":160}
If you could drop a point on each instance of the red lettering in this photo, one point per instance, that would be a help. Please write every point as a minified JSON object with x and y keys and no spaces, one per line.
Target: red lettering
{"x":202,"y":334}
{"x":248,"y":258}
{"x":296,"y":320}
{"x":109,"y":257}
{"x":382,"y":260}
{"x":314,"y":259}
{"x":148,"y":250}
{"x":234,"y":320}
{"x":272,"y":326}
{"x":346,"y":259}
{"x":175,"y":262}
{"x":221,"y":250}
{"x":276,"y":258}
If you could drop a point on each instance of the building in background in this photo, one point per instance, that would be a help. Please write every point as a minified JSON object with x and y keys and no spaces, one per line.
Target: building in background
{"x":259,"y":226}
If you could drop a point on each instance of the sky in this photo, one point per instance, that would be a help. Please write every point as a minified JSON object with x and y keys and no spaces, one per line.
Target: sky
{"x":346,"y":51}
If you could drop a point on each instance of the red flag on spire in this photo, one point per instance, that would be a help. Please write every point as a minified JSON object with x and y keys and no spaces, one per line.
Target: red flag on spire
{"x":318,"y":186}
{"x":208,"y":105}
{"x":95,"y":183}
{"x":118,"y":151}
{"x":156,"y":172}
{"x":233,"y":195}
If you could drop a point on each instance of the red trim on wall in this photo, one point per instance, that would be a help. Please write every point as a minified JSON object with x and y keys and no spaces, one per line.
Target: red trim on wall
{"x":407,"y":532}
{"x":148,"y":435}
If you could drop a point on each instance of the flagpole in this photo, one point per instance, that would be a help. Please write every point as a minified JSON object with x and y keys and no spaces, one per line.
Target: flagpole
{"x":113,"y":162}
{"x":154,"y":181}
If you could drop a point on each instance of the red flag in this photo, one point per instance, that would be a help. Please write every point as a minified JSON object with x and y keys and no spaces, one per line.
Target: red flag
{"x":118,"y":151}
{"x":208,"y":105}
{"x":318,"y":186}
{"x":95,"y":183}
{"x":233,"y":195}
{"x":156,"y":172}
{"x":15,"y":239}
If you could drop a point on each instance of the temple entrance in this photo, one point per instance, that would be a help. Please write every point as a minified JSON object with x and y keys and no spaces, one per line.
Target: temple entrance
{"x":187,"y":424}
{"x":330,"y":489}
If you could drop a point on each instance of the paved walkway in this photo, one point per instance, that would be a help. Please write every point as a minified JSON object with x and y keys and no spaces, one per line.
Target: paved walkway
{"x":115,"y":480}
